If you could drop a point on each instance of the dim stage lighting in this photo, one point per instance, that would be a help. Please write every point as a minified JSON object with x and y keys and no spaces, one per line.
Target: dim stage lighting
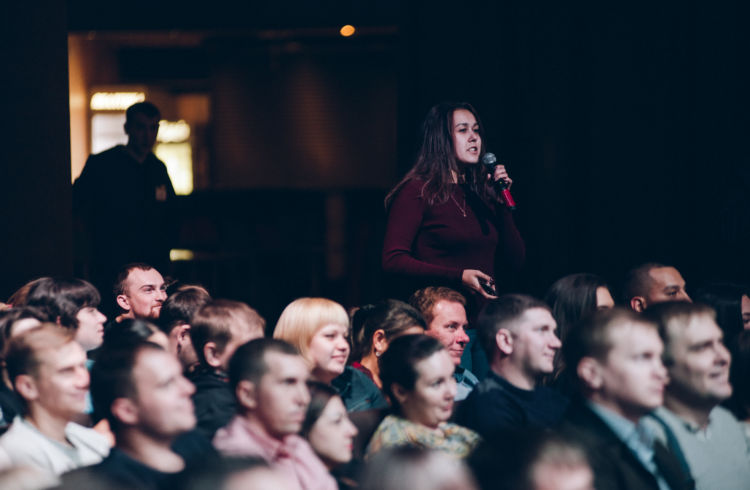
{"x":347,"y":30}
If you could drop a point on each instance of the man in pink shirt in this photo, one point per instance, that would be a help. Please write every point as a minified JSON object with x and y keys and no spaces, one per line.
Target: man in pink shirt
{"x":269,"y":379}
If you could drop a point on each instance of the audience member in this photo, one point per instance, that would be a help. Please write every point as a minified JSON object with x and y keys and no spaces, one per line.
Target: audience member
{"x":142,"y":392}
{"x":379,"y":325}
{"x":269,"y":379}
{"x":48,"y":371}
{"x":13,"y":322}
{"x":444,"y":311}
{"x":653,"y":283}
{"x":739,"y":373}
{"x":330,"y":432}
{"x":575,"y":296}
{"x":319,"y":329}
{"x":732,"y":305}
{"x":139,"y":292}
{"x":570,"y":299}
{"x":518,"y":335}
{"x":709,"y":437}
{"x":617,"y":357}
{"x":219,"y":328}
{"x":175,"y":319}
{"x":417,"y":373}
{"x":531,"y":460}
{"x":416,"y":468}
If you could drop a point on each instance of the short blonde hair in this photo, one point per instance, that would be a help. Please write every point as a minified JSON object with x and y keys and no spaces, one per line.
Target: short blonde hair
{"x":303,"y":317}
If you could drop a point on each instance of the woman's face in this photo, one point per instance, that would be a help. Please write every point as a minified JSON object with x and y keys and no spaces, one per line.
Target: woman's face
{"x":90,"y":331}
{"x":332,"y":435}
{"x":466,"y":140}
{"x":430,"y":403}
{"x":329,"y":351}
{"x":745,"y":308}
{"x":604,"y":298}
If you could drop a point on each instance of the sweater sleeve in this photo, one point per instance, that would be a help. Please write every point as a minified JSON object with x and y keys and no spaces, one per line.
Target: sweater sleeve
{"x":404,"y":221}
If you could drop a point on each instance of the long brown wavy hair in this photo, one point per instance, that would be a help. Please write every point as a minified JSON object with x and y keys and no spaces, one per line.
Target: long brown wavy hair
{"x":436,"y":161}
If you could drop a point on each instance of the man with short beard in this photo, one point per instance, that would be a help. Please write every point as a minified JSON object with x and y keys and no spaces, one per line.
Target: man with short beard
{"x":140,"y":292}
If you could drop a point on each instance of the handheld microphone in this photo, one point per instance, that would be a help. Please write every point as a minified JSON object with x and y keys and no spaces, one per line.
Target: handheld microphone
{"x":489,"y":160}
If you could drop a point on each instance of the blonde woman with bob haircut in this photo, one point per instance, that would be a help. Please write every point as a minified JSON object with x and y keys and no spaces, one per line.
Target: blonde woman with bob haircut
{"x":319,"y":329}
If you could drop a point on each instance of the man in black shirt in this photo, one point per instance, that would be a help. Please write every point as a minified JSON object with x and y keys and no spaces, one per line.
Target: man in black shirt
{"x":518,"y":335}
{"x":122,"y":200}
{"x":142,"y":393}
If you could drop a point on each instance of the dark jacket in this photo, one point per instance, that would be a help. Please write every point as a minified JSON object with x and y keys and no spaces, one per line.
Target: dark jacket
{"x":614,"y":464}
{"x":214,"y":400}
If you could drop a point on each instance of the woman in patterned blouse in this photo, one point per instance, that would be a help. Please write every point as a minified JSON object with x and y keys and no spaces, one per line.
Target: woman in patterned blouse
{"x":417,"y":374}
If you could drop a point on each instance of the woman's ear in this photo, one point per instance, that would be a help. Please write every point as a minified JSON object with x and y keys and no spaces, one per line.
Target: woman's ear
{"x":379,"y":342}
{"x":401,"y":393}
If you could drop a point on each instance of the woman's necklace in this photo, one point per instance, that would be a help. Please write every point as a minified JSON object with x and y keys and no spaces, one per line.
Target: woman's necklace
{"x":460,"y":208}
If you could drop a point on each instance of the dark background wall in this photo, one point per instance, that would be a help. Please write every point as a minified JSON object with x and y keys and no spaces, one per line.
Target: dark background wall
{"x":623,"y":127}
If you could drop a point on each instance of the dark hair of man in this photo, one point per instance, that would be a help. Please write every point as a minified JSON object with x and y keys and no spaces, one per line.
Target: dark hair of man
{"x":638,"y":281}
{"x":62,"y":299}
{"x":392,"y":316}
{"x":502,"y":313}
{"x":249,"y":360}
{"x":425,"y":300}
{"x":23,"y":355}
{"x":726,"y":299}
{"x":122,"y":276}
{"x":436,"y":163}
{"x":181,"y":306}
{"x":213,"y":322}
{"x":128,"y":332}
{"x":146,"y":108}
{"x":592,"y":336}
{"x":320,"y":395}
{"x":674,"y":314}
{"x":571,"y":298}
{"x":112,"y":378}
{"x":398,"y":364}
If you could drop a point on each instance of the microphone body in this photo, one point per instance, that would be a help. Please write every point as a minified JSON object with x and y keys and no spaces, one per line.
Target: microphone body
{"x":489,"y":160}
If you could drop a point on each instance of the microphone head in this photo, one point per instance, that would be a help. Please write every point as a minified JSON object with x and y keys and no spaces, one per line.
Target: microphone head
{"x":489,"y":160}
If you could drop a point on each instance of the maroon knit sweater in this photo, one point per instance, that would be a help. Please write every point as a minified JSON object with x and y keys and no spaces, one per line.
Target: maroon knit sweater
{"x":433,"y":245}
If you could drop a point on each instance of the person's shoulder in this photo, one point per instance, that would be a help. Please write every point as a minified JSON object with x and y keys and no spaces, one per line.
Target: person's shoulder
{"x":79,"y":435}
{"x":109,"y":154}
{"x":411,"y":189}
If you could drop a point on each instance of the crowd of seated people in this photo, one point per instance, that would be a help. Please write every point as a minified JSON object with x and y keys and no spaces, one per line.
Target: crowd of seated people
{"x":184,"y":390}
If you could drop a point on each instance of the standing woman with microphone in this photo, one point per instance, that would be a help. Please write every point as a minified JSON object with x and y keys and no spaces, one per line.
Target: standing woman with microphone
{"x":448,"y":224}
